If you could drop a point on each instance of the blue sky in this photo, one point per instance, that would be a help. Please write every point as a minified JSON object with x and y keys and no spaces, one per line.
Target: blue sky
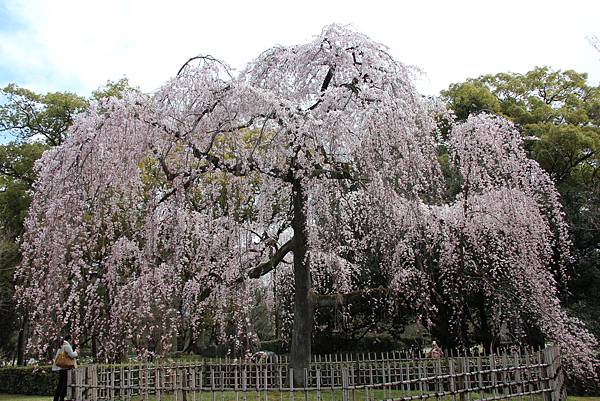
{"x":77,"y":45}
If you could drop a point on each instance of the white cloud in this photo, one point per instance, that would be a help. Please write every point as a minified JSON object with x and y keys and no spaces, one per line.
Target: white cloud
{"x":79,"y":45}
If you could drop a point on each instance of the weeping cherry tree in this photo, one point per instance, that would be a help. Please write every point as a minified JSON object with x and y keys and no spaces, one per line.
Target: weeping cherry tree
{"x":160,"y":208}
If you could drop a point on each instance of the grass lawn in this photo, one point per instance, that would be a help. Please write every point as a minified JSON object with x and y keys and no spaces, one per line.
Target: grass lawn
{"x":19,"y":397}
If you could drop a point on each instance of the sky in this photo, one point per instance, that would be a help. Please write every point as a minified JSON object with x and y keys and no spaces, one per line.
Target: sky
{"x":78,"y":45}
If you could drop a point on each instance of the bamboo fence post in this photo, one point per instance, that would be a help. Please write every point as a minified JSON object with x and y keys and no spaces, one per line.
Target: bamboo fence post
{"x":70,"y":384}
{"x":493,"y":377}
{"x":99,"y":382}
{"x":223,"y":385}
{"x":370,"y":372}
{"x":517,"y":374}
{"x":235,"y":383}
{"x":121,"y":381}
{"x":185,"y":382}
{"x":505,"y":375}
{"x":81,"y":377}
{"x":541,"y":374}
{"x":561,"y":372}
{"x":344,"y":384}
{"x":95,"y":391}
{"x":562,"y":396}
{"x":212,"y":383}
{"x":318,"y":384}
{"x":128,"y":386}
{"x":332,"y":379}
{"x":452,"y":373}
{"x":390,"y":378}
{"x":555,"y":355}
{"x":141,"y":373}
{"x":439,"y":386}
{"x":244,"y":383}
{"x":201,"y":380}
{"x":193,"y":384}
{"x":72,"y":378}
{"x":78,"y":384}
{"x":266,"y":385}
{"x":409,"y":369}
{"x":112,"y":381}
{"x":460,"y":378}
{"x":353,"y":382}
{"x":280,"y":382}
{"x":420,"y":376}
{"x":548,"y":376}
{"x":305,"y":383}
{"x":291,"y":384}
{"x":467,"y":370}
{"x":480,"y":377}
{"x":529,"y":375}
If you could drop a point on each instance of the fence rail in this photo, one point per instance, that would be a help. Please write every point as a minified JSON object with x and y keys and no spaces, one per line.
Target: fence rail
{"x":524,"y":375}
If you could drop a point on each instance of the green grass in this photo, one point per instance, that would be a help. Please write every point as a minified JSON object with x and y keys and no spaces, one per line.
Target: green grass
{"x":583,"y":398}
{"x":20,"y":397}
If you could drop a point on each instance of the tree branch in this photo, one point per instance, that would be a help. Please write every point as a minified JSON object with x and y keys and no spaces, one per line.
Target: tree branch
{"x":272,"y":263}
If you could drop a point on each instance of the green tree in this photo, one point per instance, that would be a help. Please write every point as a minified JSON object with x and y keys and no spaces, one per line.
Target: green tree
{"x":31,"y":116}
{"x":113,"y":89}
{"x":16,"y":178}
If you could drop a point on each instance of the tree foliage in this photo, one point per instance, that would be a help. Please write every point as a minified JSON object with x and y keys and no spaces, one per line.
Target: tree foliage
{"x":16,"y":178}
{"x":28,"y":115}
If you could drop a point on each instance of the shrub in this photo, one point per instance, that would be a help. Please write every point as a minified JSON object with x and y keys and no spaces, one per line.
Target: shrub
{"x":30,"y":380}
{"x":277,"y":346}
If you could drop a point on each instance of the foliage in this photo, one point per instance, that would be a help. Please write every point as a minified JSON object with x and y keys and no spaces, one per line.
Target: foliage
{"x":28,"y":115}
{"x":277,"y":346}
{"x":16,"y":179}
{"x":113,"y":89}
{"x":27,"y":380}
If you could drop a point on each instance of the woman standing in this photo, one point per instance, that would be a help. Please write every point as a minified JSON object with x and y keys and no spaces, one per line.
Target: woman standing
{"x":61,"y":388}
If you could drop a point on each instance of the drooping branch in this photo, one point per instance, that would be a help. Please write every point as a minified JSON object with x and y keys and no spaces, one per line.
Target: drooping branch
{"x":209,"y":58}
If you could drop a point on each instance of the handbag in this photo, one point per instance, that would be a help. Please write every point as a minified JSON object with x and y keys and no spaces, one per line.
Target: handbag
{"x":64,"y":361}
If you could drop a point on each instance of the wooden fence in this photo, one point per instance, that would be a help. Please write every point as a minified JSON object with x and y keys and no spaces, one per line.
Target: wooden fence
{"x":524,"y":375}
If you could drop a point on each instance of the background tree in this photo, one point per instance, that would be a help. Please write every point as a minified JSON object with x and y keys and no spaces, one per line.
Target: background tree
{"x":16,"y":179}
{"x":28,"y":115}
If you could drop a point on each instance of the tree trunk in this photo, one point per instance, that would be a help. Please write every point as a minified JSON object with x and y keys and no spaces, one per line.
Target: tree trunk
{"x":486,"y":331}
{"x":94,"y":348}
{"x":303,"y":308}
{"x":22,"y":340}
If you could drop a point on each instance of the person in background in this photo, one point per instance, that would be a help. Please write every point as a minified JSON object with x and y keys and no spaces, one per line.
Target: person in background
{"x":436,"y":351}
{"x":61,"y":388}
